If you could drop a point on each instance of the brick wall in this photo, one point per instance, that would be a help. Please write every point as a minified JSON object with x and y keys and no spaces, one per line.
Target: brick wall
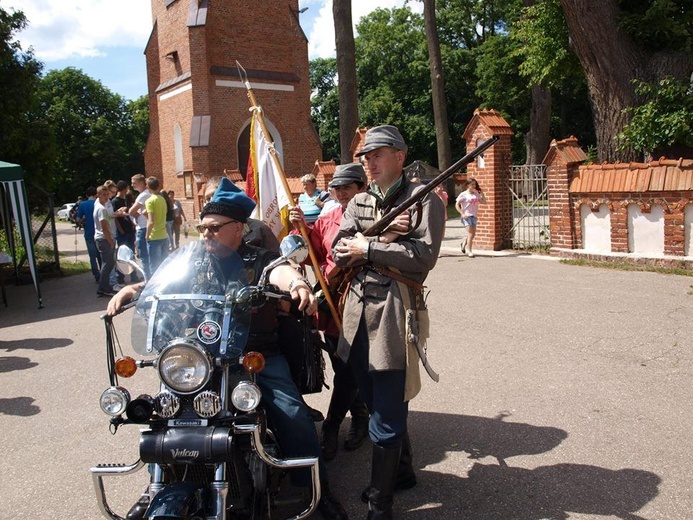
{"x":667,"y":183}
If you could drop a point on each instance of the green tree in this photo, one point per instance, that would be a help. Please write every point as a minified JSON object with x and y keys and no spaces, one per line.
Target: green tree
{"x":618,"y":41}
{"x":325,"y":105}
{"x":94,"y":131}
{"x":663,"y":124}
{"x":394,"y":79}
{"x":25,"y":138}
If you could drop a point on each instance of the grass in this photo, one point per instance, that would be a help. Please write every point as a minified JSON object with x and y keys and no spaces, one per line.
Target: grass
{"x":72,"y":268}
{"x":625,"y":266}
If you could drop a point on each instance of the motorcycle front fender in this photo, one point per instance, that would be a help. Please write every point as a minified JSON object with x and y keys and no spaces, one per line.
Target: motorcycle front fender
{"x":178,"y":500}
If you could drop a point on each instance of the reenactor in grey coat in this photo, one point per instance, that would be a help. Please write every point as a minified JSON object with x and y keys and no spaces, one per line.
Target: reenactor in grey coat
{"x":385,"y":320}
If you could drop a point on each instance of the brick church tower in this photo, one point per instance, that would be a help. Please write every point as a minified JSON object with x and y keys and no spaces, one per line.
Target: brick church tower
{"x":199,"y":117}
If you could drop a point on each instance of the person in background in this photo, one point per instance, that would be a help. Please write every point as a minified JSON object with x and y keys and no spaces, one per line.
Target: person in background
{"x":104,"y":235}
{"x":125,"y":227}
{"x":178,"y":218}
{"x":440,"y":191}
{"x":157,"y":239}
{"x":138,"y":212}
{"x":170,"y":217}
{"x":384,"y":299}
{"x":348,"y":180}
{"x":467,"y":205}
{"x":85,"y":218}
{"x":310,"y":200}
{"x":331,"y":201}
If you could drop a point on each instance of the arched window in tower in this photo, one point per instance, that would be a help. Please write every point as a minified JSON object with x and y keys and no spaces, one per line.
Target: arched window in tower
{"x":243,"y":145}
{"x":178,"y":147}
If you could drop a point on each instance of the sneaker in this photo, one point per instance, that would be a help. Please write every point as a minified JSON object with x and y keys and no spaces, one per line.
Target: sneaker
{"x":117,"y":287}
{"x":108,"y":293}
{"x":463,"y":245}
{"x":470,"y":254}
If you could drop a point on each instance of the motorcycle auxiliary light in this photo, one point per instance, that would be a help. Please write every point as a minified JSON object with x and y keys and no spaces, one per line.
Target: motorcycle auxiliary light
{"x":114,"y":400}
{"x":246,"y":396}
{"x":140,"y":410}
{"x":184,"y":366}
{"x":207,"y":404}
{"x":166,"y":404}
{"x":125,"y":366}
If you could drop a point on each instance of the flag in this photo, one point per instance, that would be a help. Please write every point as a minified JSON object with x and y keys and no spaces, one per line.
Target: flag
{"x":272,"y":201}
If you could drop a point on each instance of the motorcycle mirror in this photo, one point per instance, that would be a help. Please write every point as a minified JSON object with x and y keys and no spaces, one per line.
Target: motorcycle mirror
{"x":294,"y":247}
{"x":125,"y":261}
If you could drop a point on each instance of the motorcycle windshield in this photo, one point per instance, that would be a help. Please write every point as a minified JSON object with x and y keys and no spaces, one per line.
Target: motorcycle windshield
{"x":192,"y":296}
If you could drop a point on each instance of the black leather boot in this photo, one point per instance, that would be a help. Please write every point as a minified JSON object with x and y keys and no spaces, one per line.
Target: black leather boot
{"x":330,"y":441}
{"x":140,"y":508}
{"x":406,"y":477}
{"x":329,"y":506}
{"x":382,"y":488}
{"x":359,"y":425}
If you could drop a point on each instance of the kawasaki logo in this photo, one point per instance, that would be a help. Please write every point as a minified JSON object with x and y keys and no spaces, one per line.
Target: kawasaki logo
{"x":178,"y":453}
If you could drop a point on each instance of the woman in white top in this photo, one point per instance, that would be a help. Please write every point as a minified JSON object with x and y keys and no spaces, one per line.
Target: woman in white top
{"x":467,"y":204}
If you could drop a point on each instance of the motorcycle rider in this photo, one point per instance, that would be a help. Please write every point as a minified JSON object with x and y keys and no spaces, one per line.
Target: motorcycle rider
{"x":348,"y":180}
{"x":384,"y":299}
{"x":221,"y":226}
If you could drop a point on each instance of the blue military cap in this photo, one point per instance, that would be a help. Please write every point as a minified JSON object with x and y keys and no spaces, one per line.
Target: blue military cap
{"x":229,"y":201}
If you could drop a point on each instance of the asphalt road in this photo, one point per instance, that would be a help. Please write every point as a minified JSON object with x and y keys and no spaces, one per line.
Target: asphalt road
{"x":563,"y":395}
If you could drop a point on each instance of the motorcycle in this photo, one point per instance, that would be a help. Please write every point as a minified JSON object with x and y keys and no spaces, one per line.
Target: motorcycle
{"x":206,"y":441}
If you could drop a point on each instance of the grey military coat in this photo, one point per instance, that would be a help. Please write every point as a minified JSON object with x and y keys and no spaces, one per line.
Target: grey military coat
{"x":377,"y":297}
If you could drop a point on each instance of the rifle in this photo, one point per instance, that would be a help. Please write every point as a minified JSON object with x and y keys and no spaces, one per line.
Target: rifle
{"x":387,"y":219}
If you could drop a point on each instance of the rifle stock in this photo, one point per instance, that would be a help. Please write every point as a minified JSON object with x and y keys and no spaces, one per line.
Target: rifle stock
{"x":387,"y":219}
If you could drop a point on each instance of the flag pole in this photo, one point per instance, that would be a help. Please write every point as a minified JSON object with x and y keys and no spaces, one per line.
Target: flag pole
{"x":287,"y":189}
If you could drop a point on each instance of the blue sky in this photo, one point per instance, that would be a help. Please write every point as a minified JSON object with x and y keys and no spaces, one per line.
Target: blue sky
{"x":108,"y":43}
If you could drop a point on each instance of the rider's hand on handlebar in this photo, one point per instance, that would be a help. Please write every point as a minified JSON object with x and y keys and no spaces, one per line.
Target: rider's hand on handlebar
{"x":302,"y":292}
{"x":125,"y":295}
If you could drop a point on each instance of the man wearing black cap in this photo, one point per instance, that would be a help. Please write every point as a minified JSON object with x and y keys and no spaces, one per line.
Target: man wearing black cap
{"x":222,"y":229}
{"x":382,"y":305}
{"x":348,"y":180}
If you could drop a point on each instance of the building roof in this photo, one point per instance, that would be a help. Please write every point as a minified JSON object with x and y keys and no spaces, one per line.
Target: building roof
{"x":661,"y":175}
{"x":567,"y":152}
{"x":491,"y":119}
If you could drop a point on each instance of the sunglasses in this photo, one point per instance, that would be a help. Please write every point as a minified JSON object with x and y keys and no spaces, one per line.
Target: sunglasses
{"x":212,"y":228}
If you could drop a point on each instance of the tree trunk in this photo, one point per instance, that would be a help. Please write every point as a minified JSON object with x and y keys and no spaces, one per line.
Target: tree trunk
{"x":538,"y":138}
{"x":346,"y":77}
{"x":611,"y":60}
{"x":440,"y":112}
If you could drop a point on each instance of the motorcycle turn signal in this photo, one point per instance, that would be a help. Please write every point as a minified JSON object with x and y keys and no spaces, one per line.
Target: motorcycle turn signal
{"x":254,"y":362}
{"x":125,"y":366}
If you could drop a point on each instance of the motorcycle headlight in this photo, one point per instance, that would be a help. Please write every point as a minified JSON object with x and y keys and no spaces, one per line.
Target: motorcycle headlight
{"x":184,"y":367}
{"x":246,"y":396}
{"x":114,"y":400}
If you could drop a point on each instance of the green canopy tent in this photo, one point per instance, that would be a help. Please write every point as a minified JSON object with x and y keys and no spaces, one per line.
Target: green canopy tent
{"x":13,"y":203}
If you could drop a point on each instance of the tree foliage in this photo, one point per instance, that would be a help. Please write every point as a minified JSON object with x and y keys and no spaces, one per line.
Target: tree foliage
{"x":94,"y":131}
{"x":325,"y":105}
{"x":659,"y":25}
{"x":25,"y":138}
{"x":664,"y":120}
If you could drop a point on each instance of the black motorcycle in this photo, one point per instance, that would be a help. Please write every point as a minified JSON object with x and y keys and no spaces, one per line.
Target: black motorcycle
{"x":206,"y":442}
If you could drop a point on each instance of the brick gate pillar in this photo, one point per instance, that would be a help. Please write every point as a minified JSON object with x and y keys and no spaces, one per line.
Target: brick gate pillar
{"x":561,"y":161}
{"x":491,"y":171}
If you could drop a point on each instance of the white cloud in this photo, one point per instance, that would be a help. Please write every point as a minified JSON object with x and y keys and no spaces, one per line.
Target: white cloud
{"x":321,"y":35}
{"x":60,"y":29}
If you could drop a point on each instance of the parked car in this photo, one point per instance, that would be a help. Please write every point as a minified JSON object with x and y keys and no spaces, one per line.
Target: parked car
{"x":64,"y":211}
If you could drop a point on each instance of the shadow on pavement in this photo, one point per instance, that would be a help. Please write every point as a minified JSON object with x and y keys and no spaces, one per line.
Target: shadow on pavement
{"x":21,"y":406}
{"x":495,"y":491}
{"x":12,"y":363}
{"x":38,"y":344}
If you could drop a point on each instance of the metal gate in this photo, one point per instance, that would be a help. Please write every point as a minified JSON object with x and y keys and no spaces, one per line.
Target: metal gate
{"x":530,"y":207}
